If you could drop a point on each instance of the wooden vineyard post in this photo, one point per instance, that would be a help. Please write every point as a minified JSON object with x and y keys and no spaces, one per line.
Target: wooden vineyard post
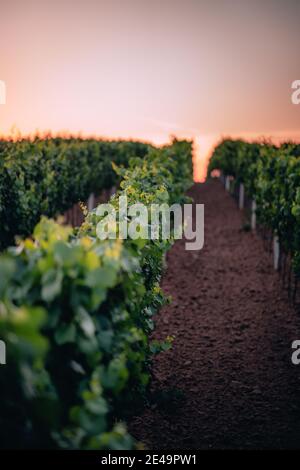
{"x":2,"y":352}
{"x":227,"y":183}
{"x":91,"y":202}
{"x":165,"y":263}
{"x":253,"y":215}
{"x":112,"y":191}
{"x":241,"y":196}
{"x":276,"y":252}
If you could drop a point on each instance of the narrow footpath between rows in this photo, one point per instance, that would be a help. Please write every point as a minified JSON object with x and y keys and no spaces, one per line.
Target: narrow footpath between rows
{"x":228,"y":381}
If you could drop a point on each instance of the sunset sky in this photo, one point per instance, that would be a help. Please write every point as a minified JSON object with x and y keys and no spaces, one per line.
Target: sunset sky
{"x":150,"y":68}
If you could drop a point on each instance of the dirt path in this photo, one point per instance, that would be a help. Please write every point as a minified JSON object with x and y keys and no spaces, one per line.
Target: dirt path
{"x":228,"y":382}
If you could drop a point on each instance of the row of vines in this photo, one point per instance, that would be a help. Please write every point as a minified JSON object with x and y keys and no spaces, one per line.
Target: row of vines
{"x":271,"y":177}
{"x":76,"y":313}
{"x":47,"y":176}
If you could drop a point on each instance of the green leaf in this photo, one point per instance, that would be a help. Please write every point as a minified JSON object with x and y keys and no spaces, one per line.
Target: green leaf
{"x":52,"y":284}
{"x":65,"y":334}
{"x":85,"y":322}
{"x":103,"y":277}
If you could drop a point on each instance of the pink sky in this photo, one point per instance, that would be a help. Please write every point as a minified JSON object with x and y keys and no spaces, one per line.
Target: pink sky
{"x":148,"y":69}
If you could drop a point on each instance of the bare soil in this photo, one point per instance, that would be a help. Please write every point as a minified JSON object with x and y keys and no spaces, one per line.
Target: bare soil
{"x":228,"y":382}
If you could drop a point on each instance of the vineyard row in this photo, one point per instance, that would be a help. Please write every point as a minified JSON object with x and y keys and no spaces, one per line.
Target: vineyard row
{"x":76,"y":314}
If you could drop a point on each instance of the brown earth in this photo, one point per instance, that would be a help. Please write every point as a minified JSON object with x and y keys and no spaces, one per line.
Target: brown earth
{"x":228,"y":381}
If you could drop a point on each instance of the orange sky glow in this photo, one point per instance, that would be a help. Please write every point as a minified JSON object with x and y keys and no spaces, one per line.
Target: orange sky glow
{"x":150,"y":69}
